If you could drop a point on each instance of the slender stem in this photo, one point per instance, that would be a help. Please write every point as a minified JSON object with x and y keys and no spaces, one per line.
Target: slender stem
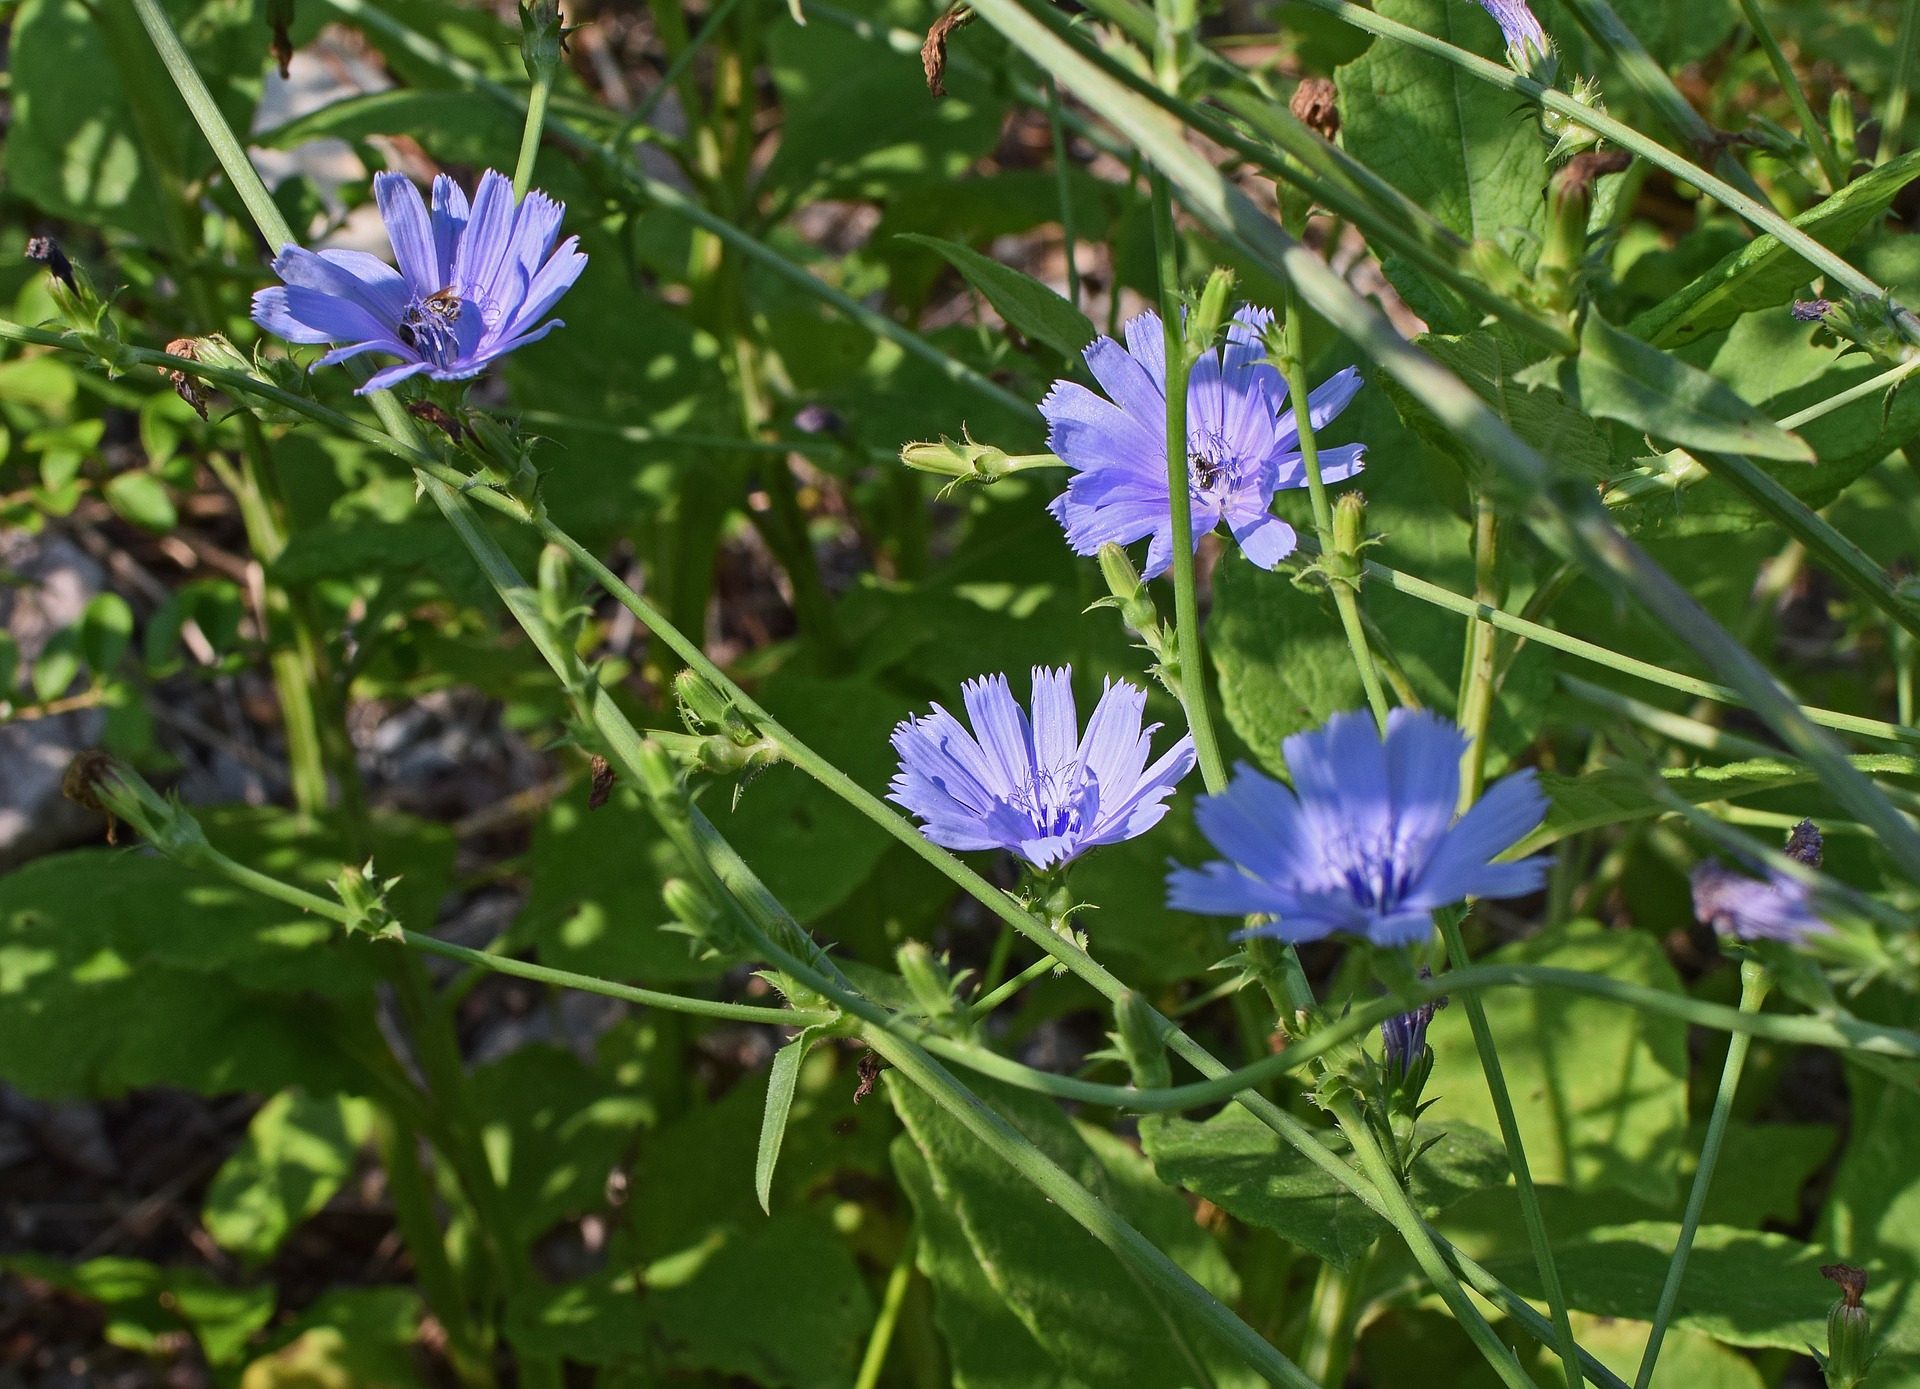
{"x":708,"y":28}
{"x":1886,"y":380}
{"x":983,"y":1006}
{"x":1331,"y":1320}
{"x":1480,"y":664}
{"x":1754,"y":983}
{"x":1810,"y":128}
{"x":1345,"y":600}
{"x":1399,"y":1210}
{"x":1893,"y":124}
{"x":530,"y":134}
{"x":1063,"y":179}
{"x":881,"y":1337}
{"x":1449,"y":923}
{"x":1186,"y":606}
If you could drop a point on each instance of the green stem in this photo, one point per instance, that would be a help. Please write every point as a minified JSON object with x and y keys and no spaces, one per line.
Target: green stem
{"x":1399,"y":1210}
{"x":537,"y":97}
{"x":1814,"y":133}
{"x":1886,"y":380}
{"x":676,"y":69}
{"x":1331,"y":1320}
{"x":1479,"y":666}
{"x":1186,"y":605}
{"x":1754,"y":983}
{"x":1345,"y":600}
{"x":880,"y":1339}
{"x":1449,"y":923}
{"x":983,"y":1006}
{"x":1893,"y":124}
{"x":1063,"y":179}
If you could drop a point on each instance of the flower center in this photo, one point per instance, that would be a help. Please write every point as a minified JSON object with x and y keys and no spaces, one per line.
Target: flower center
{"x":1052,"y":800}
{"x":1213,"y":467}
{"x":1371,"y":871}
{"x":428,"y":326}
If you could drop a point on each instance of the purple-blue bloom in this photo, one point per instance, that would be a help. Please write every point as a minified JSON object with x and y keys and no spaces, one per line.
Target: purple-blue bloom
{"x":1038,"y":789}
{"x":1774,"y":908}
{"x":1527,"y":42}
{"x":1403,"y":1037}
{"x":1365,"y":841}
{"x":1242,"y":445}
{"x":473,"y":283}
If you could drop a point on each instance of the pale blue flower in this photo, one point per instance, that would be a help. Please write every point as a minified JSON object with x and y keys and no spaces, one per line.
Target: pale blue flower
{"x":1774,"y":908}
{"x":1365,"y":842}
{"x":1038,"y":789}
{"x":1242,"y":443}
{"x":1528,"y":46}
{"x":474,"y":282}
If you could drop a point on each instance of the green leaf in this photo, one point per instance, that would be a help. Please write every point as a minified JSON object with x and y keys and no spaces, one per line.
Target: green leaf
{"x":1075,"y":1299}
{"x":58,"y":666}
{"x":1688,"y":1360}
{"x":1450,"y":142}
{"x":1021,"y":300}
{"x":298,"y":1151}
{"x":143,"y":1304}
{"x":781,"y":1079}
{"x":1743,"y":1287}
{"x":105,"y":629}
{"x":1619,"y":377}
{"x":1246,"y":1169}
{"x":1764,"y":274}
{"x":1872,"y":1213}
{"x":1600,"y":1091}
{"x":352,"y":1336}
{"x":143,"y":499}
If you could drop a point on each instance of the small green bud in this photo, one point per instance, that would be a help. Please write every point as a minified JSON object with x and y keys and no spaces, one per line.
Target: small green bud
{"x":365,"y":897}
{"x":1211,"y":313}
{"x":1842,"y":127}
{"x":927,"y":979}
{"x":695,"y":915}
{"x":963,"y":460}
{"x":1140,"y":1040}
{"x":542,"y":39}
{"x":1850,"y":1353}
{"x":1569,"y":135}
{"x":705,"y":709}
{"x":556,"y":584}
{"x":1129,"y":590}
{"x":102,"y":782}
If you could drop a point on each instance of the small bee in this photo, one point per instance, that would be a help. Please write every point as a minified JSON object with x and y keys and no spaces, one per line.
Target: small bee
{"x":443,"y":305}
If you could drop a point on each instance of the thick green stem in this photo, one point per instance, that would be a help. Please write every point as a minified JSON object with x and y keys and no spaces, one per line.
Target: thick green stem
{"x":1754,"y":983}
{"x":1480,"y":665}
{"x":1449,"y":923}
{"x":1331,"y":1321}
{"x":1399,"y":1210}
{"x":530,"y":134}
{"x":1186,"y":606}
{"x":1345,"y":600}
{"x":1893,"y":123}
{"x":1811,"y":130}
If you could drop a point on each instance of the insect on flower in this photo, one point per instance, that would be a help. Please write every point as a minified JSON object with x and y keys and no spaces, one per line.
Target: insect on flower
{"x":1243,"y":444}
{"x":1038,"y":789}
{"x":474,"y":282}
{"x":1365,"y":842}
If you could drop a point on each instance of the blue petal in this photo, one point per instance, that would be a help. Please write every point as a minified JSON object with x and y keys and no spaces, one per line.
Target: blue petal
{"x":1265,"y":540}
{"x":488,"y":237}
{"x":1001,"y":728}
{"x":1093,"y":434}
{"x":388,"y":377}
{"x":1423,"y":780}
{"x":1461,"y":864}
{"x":1056,"y":723}
{"x":1256,"y":822}
{"x":1130,"y":386}
{"x":449,"y":225}
{"x":1220,"y":889}
{"x":410,"y":231}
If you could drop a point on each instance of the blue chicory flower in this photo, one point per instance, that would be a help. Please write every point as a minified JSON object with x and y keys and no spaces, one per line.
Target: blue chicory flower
{"x":1365,"y":842}
{"x":1527,"y":43}
{"x":1032,"y":788}
{"x":1242,"y":445}
{"x":473,"y":283}
{"x":1774,"y":908}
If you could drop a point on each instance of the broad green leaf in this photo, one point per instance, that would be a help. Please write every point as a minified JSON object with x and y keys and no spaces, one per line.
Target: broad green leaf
{"x":105,"y":629}
{"x":1761,"y":1171}
{"x":1249,"y":1171}
{"x":989,"y":1347}
{"x":143,"y":1304}
{"x":1489,"y":363}
{"x":1688,"y":1360}
{"x":1677,"y":34}
{"x":1452,"y":143}
{"x":1743,"y":1287}
{"x":298,"y":1151}
{"x":1022,"y":301}
{"x":1600,"y":1091}
{"x":143,"y":499}
{"x":1619,"y":377}
{"x":58,"y":665}
{"x":359,"y":1337}
{"x":1077,"y":1301}
{"x":1763,"y":274}
{"x":781,"y":1078}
